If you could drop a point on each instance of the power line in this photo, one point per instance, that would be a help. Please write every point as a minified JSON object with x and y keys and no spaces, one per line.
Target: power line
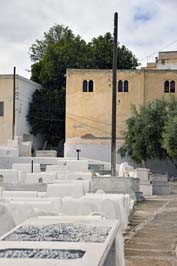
{"x":166,"y":46}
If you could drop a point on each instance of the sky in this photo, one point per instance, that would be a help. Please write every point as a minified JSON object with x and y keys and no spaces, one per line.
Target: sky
{"x":145,"y":26}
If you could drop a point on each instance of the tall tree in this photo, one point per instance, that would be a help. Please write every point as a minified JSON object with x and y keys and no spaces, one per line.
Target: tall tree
{"x":61,"y":49}
{"x":46,"y":115}
{"x":58,"y":50}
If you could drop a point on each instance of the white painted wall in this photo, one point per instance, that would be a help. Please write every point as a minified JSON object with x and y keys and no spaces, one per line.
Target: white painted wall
{"x":101,"y":152}
{"x":172,"y":66}
{"x":24,"y":91}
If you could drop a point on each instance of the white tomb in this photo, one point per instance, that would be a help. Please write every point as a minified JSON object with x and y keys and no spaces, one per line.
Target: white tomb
{"x":17,"y":194}
{"x":82,"y":241}
{"x":69,"y":165}
{"x":9,"y":176}
{"x":64,"y":190}
{"x":42,"y":177}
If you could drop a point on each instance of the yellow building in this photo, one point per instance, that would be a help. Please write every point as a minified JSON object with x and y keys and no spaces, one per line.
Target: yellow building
{"x":24,"y":89}
{"x":89,"y":103}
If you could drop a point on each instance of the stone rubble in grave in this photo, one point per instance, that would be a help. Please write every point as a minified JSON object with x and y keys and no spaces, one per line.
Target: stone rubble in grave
{"x":41,"y":254}
{"x":60,"y":232}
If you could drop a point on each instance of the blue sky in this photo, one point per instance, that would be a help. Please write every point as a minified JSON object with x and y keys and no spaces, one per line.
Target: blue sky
{"x":145,"y":26}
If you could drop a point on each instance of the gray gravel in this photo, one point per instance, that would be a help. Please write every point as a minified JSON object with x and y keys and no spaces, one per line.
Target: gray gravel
{"x":60,"y":232}
{"x":41,"y":254}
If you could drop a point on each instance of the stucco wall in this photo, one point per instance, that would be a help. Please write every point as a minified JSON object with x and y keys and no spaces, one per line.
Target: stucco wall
{"x":89,"y":113}
{"x":6,"y":96}
{"x":24,"y":91}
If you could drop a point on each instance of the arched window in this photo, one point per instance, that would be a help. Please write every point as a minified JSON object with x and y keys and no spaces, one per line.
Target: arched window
{"x":120,"y":83}
{"x":126,"y":86}
{"x":90,"y":86}
{"x":84,"y":86}
{"x":166,"y":86}
{"x":172,"y":86}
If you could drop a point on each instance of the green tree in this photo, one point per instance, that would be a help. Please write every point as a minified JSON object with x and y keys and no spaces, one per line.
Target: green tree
{"x":170,"y":130}
{"x":61,"y":49}
{"x":46,"y":114}
{"x":51,"y":56}
{"x":144,"y":135}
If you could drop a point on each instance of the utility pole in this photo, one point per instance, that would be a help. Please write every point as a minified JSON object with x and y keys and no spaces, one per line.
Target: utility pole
{"x":14,"y":94}
{"x":114,"y":92}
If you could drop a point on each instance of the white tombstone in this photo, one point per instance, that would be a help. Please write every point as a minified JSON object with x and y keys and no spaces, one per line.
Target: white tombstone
{"x":42,"y":177}
{"x":86,"y":183}
{"x":21,"y":211}
{"x":7,"y":221}
{"x":9,"y":176}
{"x":17,"y":194}
{"x":27,"y":167}
{"x":65,"y":190}
{"x":69,"y":165}
{"x":46,"y":153}
{"x":146,"y":188}
{"x":25,"y":149}
{"x":6,"y":151}
{"x":141,"y":173}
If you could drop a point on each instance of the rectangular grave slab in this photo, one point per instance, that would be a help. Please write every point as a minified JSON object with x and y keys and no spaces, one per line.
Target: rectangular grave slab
{"x":89,"y":253}
{"x":65,"y":190}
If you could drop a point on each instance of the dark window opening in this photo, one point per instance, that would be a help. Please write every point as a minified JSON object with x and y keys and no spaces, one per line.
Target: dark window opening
{"x":172,"y":86}
{"x":87,"y":86}
{"x":84,"y":86}
{"x":1,"y":108}
{"x":120,"y":89}
{"x":125,"y":86}
{"x":166,"y":86}
{"x":90,"y":86}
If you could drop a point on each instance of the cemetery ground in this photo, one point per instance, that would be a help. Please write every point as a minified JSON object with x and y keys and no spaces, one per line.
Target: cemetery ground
{"x":151,"y":238}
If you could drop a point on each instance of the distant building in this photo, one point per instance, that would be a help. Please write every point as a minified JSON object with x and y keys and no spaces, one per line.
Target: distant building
{"x":165,"y":60}
{"x":23,"y":95}
{"x":89,"y":101}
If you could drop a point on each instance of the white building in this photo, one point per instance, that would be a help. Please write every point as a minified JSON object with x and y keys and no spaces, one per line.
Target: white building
{"x":24,"y":90}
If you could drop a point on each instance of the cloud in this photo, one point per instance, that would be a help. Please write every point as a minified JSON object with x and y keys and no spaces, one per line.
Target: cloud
{"x":145,"y":26}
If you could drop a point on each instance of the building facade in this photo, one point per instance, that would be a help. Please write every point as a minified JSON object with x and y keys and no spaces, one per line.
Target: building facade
{"x":24,"y":89}
{"x":89,"y":105}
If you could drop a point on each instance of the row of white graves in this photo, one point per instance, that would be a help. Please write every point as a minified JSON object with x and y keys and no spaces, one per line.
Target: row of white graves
{"x":16,"y":148}
{"x":70,"y":225}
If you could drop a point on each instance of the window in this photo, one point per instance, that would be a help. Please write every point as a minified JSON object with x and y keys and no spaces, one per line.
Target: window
{"x":87,"y":86}
{"x":120,"y":89}
{"x":172,"y":86}
{"x":125,"y":86}
{"x":84,"y":86}
{"x":169,"y":86}
{"x":166,"y":86}
{"x":1,"y":108}
{"x":90,"y":85}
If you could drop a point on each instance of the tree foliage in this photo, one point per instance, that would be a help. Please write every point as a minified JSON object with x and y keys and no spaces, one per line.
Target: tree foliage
{"x":151,"y":132}
{"x":46,"y":114}
{"x":61,"y":49}
{"x":51,"y":56}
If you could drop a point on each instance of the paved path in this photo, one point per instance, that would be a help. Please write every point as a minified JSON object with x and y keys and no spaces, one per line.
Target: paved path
{"x":152,"y":236}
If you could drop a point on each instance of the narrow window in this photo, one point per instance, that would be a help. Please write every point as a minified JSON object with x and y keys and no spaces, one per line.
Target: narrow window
{"x":90,"y":86}
{"x":126,"y":86}
{"x":120,"y":86}
{"x":166,"y":86}
{"x":1,"y":108}
{"x":172,"y":86}
{"x":84,"y":87}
